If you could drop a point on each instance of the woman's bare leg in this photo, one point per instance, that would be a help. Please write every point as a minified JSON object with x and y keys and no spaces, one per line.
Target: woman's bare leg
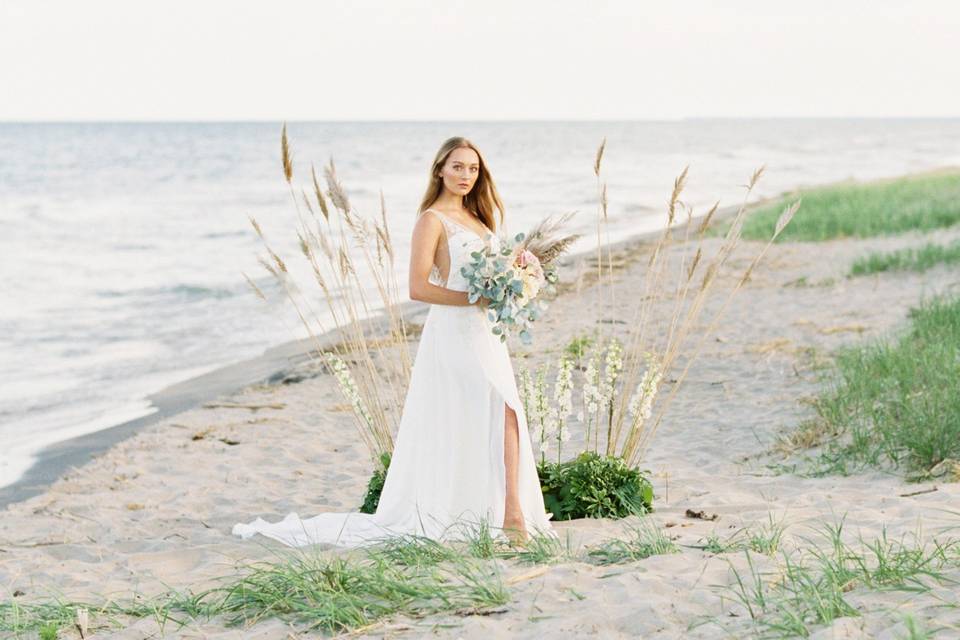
{"x":513,"y":524}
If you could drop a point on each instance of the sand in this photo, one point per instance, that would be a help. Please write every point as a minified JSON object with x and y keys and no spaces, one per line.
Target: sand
{"x":155,"y":510}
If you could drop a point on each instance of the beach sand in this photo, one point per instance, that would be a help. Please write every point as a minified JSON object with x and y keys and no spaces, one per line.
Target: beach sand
{"x":155,"y":511}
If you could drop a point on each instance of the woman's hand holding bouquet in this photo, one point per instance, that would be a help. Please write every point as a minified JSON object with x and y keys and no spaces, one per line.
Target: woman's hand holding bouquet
{"x":511,"y":280}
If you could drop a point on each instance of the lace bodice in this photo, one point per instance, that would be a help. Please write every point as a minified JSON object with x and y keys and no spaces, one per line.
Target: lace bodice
{"x":461,"y":241}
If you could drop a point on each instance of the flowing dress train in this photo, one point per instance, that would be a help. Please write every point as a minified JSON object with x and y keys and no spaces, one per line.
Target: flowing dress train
{"x":447,"y":473}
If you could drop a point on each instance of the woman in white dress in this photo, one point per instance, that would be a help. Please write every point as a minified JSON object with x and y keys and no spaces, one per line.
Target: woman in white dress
{"x":462,"y":454}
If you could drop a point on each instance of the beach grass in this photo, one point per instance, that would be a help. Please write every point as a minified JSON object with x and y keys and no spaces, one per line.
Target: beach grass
{"x":411,"y":551}
{"x":44,"y":618}
{"x":415,"y":577}
{"x":767,"y":539}
{"x":815,"y":583}
{"x":911,"y":259}
{"x":913,"y":203}
{"x":49,"y":618}
{"x":407,"y":575}
{"x":893,"y":401}
{"x":338,"y":593}
{"x":644,"y":540}
{"x":914,"y":629}
{"x":542,"y":549}
{"x":310,"y":589}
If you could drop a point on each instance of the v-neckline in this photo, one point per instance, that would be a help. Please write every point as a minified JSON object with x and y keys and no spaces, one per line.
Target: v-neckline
{"x":463,"y":226}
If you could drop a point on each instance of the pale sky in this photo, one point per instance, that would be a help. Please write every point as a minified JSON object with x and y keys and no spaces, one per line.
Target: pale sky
{"x":477,"y":59}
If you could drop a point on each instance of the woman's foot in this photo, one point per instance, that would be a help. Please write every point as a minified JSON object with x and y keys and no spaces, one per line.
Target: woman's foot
{"x":516,"y":530}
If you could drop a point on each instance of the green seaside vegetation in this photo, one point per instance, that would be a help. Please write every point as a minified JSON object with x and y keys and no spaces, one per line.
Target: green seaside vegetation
{"x":912,"y":203}
{"x":417,"y":577}
{"x":893,"y":402}
{"x":825,"y":578}
{"x":588,"y":486}
{"x":400,"y":576}
{"x":911,"y":259}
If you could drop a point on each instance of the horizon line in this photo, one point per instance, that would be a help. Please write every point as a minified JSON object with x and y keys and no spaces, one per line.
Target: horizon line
{"x":433,"y":121}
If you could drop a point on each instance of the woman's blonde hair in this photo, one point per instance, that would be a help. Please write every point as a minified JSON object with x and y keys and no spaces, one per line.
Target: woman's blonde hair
{"x":481,"y":200}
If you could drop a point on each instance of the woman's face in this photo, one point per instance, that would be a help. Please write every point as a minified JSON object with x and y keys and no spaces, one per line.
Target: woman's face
{"x":460,"y":171}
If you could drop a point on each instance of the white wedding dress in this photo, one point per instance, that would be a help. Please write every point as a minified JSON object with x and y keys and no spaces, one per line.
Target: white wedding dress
{"x":447,"y":472}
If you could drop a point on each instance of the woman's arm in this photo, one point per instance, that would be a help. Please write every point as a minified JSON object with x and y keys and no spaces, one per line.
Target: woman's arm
{"x":423,"y":246}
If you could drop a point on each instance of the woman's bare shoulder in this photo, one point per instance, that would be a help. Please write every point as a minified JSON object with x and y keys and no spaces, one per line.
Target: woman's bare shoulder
{"x":428,"y":222}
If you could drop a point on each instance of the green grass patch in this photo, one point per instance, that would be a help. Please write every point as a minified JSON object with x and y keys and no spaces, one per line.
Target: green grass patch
{"x":767,"y":539}
{"x":333,"y":594}
{"x":913,"y":203}
{"x":398,"y":576}
{"x":338,"y":594}
{"x":895,"y":401}
{"x":645,"y":539}
{"x":812,"y":584}
{"x":926,"y":257}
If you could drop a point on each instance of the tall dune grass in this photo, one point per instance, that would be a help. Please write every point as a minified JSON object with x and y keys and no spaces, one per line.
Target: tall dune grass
{"x":623,"y":403}
{"x":370,"y":362}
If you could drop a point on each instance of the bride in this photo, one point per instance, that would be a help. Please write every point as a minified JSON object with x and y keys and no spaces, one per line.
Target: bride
{"x":462,"y":455}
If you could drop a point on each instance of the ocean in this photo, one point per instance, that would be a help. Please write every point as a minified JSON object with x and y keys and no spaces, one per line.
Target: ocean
{"x":124,"y":244}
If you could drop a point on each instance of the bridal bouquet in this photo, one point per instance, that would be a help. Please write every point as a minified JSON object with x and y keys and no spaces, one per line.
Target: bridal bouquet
{"x":512,"y":279}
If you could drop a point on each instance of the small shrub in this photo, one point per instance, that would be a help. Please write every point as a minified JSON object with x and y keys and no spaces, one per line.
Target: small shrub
{"x":589,"y":486}
{"x":594,"y":486}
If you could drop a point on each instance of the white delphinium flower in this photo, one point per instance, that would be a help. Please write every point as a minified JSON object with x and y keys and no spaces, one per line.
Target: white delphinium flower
{"x":545,"y":423}
{"x":641,"y":403}
{"x":348,"y":386}
{"x":591,"y":393}
{"x":613,"y":366}
{"x":562,"y":396}
{"x":526,"y":392}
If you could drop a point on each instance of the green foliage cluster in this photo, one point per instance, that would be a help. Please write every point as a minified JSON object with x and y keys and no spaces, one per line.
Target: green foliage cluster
{"x":375,"y":486}
{"x":589,"y":486}
{"x":594,"y":486}
{"x":578,"y":346}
